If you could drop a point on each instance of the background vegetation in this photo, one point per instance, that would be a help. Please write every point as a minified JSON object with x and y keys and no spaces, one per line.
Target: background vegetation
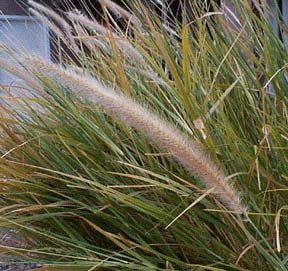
{"x":90,"y":193}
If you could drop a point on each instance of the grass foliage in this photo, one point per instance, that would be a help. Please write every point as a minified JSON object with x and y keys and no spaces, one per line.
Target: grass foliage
{"x":95,"y":194}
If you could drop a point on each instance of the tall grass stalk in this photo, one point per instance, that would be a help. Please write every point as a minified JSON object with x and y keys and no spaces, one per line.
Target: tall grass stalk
{"x":111,"y":165}
{"x":133,"y":114}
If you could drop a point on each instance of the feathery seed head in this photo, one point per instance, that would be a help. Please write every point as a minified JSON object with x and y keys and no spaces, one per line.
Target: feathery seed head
{"x":123,"y":44}
{"x":21,"y":73}
{"x":132,"y":114}
{"x":51,"y":13}
{"x":67,"y":29}
{"x":54,"y":28}
{"x":121,"y":12}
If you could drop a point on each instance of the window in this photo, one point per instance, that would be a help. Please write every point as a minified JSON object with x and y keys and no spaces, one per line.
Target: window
{"x":24,"y":33}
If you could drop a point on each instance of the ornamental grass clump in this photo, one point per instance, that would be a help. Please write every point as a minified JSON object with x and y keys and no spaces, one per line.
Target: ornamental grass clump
{"x":151,"y":141}
{"x":131,"y":113}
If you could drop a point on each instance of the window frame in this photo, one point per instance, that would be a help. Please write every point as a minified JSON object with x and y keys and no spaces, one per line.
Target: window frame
{"x":46,"y":41}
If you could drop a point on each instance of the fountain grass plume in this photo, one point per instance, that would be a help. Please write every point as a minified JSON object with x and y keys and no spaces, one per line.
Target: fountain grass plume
{"x":126,"y":47}
{"x":90,"y":42}
{"x":58,"y":19}
{"x":131,"y":113}
{"x":92,"y":25}
{"x":52,"y":26}
{"x":121,"y":12}
{"x":21,"y":73}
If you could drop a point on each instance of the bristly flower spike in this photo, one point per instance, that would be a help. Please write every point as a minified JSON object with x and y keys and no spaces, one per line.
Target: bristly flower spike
{"x":162,"y":133}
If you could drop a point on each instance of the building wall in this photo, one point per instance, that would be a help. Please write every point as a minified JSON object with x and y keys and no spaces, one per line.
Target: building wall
{"x":11,"y":7}
{"x":19,"y":7}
